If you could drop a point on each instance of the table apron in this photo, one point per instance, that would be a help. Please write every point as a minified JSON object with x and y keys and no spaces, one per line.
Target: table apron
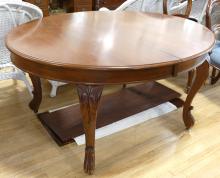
{"x":104,"y":76}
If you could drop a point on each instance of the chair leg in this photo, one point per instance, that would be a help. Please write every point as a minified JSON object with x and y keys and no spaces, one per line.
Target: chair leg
{"x":29,"y":87}
{"x":214,"y":70}
{"x":22,"y":76}
{"x":215,"y":76}
{"x":55,"y":85}
{"x":53,"y":92}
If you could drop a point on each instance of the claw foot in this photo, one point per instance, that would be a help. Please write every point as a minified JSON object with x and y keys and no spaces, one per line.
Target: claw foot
{"x":89,"y":162}
{"x":188,"y":118}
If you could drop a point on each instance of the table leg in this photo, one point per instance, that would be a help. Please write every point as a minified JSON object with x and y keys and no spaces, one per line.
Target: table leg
{"x":89,"y":98}
{"x":202,"y":73}
{"x":37,"y":93}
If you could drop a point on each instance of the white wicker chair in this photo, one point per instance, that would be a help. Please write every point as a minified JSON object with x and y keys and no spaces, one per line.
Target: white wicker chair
{"x":12,"y":14}
{"x":174,"y":6}
{"x":10,"y":1}
{"x":198,"y":10}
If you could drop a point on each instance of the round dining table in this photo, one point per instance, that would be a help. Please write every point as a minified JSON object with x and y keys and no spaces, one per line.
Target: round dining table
{"x":94,"y":49}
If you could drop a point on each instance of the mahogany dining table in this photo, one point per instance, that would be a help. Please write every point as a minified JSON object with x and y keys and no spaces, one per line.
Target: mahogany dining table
{"x":95,"y":49}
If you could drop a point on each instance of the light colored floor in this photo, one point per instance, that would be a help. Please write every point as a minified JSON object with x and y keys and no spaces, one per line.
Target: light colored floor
{"x":157,"y":148}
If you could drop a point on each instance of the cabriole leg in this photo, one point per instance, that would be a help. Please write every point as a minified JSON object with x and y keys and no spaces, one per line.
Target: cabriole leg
{"x":89,"y":98}
{"x":202,"y":73}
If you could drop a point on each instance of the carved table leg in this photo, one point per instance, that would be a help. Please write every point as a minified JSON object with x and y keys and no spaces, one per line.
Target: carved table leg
{"x":89,"y":97}
{"x":202,"y":73}
{"x":37,"y":93}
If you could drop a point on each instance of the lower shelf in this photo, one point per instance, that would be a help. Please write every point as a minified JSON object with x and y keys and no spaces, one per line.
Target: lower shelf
{"x":65,"y":124}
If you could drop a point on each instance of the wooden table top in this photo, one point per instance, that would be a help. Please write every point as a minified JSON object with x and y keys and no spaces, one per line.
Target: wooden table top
{"x":110,"y":40}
